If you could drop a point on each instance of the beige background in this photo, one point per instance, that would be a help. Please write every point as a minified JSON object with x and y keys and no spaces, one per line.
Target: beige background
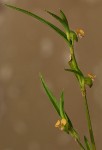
{"x":28,"y":48}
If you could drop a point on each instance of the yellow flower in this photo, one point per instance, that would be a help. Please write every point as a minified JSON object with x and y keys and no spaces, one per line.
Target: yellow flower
{"x":91,"y":76}
{"x":57,"y":124}
{"x":80,"y":33}
{"x":61,"y":124}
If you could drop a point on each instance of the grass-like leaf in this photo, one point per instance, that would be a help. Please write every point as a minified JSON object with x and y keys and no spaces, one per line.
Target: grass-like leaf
{"x":87,"y":143}
{"x":51,"y":96}
{"x":74,"y":71}
{"x":63,"y":22}
{"x":64,"y":18}
{"x":60,"y":32}
{"x":62,"y":112}
{"x":69,"y":121}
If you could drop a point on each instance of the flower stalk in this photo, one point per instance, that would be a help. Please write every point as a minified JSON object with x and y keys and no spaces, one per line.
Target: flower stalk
{"x":65,"y":124}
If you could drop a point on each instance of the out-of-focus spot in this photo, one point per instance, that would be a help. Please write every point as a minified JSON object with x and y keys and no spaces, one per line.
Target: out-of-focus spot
{"x":20,"y":127}
{"x":6,"y":72}
{"x":47,"y":47}
{"x":34,"y":145}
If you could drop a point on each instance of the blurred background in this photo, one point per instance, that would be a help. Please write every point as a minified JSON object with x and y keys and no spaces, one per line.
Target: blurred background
{"x":27,"y":48}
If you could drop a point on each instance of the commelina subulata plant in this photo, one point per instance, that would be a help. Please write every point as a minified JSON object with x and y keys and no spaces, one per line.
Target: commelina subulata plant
{"x":70,"y":36}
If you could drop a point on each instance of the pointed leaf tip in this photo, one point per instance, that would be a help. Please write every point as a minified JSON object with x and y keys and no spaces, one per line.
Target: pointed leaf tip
{"x":59,"y":31}
{"x":51,"y":96}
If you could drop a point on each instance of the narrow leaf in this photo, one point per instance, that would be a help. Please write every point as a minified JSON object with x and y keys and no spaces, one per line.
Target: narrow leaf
{"x":87,"y":143}
{"x":64,"y":19}
{"x":62,"y":113}
{"x":69,"y":121}
{"x":65,"y":25}
{"x":55,"y":16}
{"x":50,"y":95}
{"x":60,"y":32}
{"x":76,"y":72}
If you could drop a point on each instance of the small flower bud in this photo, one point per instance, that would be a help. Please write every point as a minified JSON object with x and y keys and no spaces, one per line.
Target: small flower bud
{"x":61,"y":124}
{"x":80,"y":33}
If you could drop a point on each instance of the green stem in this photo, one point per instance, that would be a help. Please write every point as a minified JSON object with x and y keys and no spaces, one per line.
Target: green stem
{"x":76,"y":138}
{"x":80,"y":144}
{"x":89,"y":124}
{"x":73,"y":64}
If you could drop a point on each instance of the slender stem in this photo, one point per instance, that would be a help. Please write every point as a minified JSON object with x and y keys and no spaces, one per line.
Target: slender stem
{"x":77,"y":139}
{"x":89,"y":124}
{"x":73,"y":64}
{"x":73,"y":57}
{"x":80,"y":144}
